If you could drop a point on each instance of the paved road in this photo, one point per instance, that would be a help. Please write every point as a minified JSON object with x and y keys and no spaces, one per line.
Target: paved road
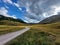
{"x":7,"y":37}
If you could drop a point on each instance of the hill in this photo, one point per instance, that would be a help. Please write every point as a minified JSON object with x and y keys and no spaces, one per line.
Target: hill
{"x":52,"y":19}
{"x":10,"y":21}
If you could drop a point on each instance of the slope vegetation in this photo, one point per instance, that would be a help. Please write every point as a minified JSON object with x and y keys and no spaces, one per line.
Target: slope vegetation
{"x":10,"y":21}
{"x":39,"y":34}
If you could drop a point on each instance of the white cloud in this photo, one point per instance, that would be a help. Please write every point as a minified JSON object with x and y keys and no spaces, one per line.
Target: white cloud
{"x":47,"y":14}
{"x":13,"y":3}
{"x":28,"y":20}
{"x":20,"y":9}
{"x":13,"y":16}
{"x":33,"y":9}
{"x":27,"y":7}
{"x":8,"y":1}
{"x":17,"y":5}
{"x":37,"y":9}
{"x":4,"y":12}
{"x":56,"y":9}
{"x":40,"y":9}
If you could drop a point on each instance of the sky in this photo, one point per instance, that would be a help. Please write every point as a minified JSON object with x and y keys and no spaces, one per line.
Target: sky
{"x":30,"y":11}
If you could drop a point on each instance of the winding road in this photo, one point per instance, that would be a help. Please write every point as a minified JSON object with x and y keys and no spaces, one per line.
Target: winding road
{"x":7,"y":37}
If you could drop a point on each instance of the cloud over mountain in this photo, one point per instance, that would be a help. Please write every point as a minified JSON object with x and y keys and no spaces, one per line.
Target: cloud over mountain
{"x":36,"y":10}
{"x":40,"y":9}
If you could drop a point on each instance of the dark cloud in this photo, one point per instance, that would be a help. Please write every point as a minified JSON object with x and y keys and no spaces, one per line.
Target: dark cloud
{"x":39,"y":9}
{"x":36,"y":10}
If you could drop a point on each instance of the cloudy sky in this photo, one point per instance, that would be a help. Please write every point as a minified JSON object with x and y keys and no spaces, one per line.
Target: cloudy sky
{"x":31,"y":11}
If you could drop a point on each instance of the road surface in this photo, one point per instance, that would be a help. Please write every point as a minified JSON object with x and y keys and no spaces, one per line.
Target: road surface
{"x":7,"y":37}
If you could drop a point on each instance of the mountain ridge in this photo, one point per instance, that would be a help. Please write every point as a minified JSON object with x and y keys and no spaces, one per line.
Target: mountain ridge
{"x":52,"y":19}
{"x":10,"y":21}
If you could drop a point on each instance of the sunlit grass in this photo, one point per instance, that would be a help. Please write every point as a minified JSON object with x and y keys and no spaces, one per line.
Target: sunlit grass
{"x":11,"y":23}
{"x":7,"y":29}
{"x":39,"y":34}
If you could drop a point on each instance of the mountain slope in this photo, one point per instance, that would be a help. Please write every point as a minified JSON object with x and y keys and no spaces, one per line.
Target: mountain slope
{"x":9,"y":21}
{"x":52,"y":19}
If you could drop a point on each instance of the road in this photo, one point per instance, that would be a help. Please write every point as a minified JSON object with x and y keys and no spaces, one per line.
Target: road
{"x":7,"y":37}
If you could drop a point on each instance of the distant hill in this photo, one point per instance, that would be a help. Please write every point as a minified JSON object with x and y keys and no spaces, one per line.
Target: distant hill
{"x":9,"y":20}
{"x":52,"y":19}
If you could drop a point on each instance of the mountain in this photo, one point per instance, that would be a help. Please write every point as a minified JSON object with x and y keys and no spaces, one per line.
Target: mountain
{"x":9,"y":20}
{"x":52,"y":19}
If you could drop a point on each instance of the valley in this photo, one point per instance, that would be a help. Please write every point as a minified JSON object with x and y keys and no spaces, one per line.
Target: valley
{"x":39,"y":34}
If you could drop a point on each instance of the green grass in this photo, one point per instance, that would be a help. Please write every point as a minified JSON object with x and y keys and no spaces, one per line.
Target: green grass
{"x":7,"y":29}
{"x":33,"y":37}
{"x":39,"y":34}
{"x":7,"y":26}
{"x":11,"y":23}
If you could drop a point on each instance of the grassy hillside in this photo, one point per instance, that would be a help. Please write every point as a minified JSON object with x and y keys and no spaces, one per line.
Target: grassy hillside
{"x":39,"y":34}
{"x":8,"y":24}
{"x":52,"y":19}
{"x":7,"y":29}
{"x":10,"y":21}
